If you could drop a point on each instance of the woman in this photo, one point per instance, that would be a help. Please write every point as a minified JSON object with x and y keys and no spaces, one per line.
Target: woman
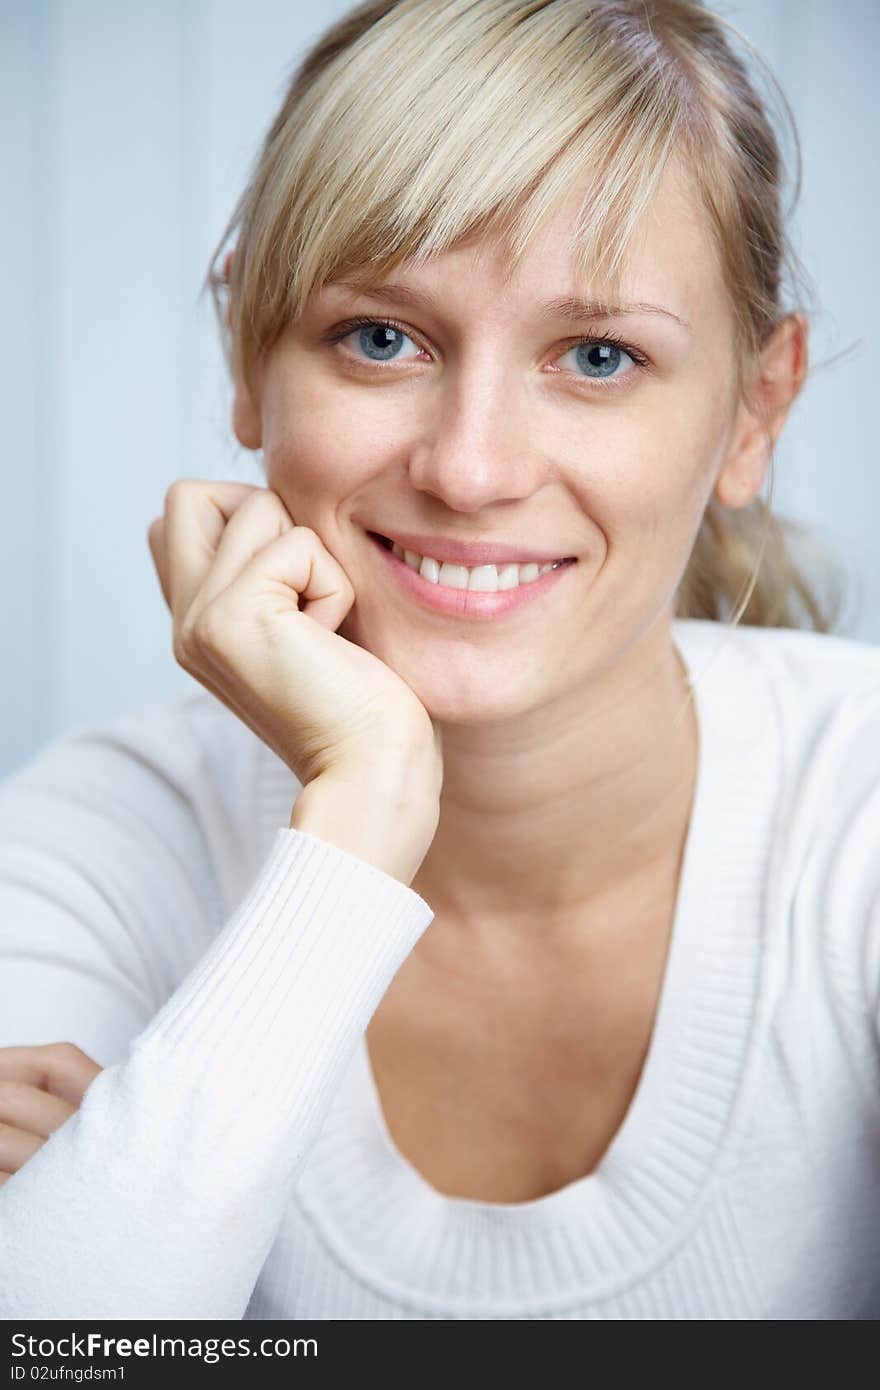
{"x":555,"y":992}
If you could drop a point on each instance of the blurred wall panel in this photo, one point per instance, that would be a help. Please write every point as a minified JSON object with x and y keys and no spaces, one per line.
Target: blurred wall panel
{"x":27,"y":615}
{"x":828,"y":468}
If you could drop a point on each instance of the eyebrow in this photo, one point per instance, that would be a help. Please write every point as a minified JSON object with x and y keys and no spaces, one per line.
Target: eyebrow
{"x":565,"y":306}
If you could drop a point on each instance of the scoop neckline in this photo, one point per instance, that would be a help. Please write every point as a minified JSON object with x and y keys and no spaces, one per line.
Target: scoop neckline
{"x":617,"y":1219}
{"x":629,"y":1133}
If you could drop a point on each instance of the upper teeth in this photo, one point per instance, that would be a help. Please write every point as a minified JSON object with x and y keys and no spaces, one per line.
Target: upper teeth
{"x":486,"y":578}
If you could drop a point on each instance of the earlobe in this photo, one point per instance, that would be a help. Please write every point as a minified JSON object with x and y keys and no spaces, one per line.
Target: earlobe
{"x":760,"y":421}
{"x":246,"y":421}
{"x":747,"y":460}
{"x":742,"y":478}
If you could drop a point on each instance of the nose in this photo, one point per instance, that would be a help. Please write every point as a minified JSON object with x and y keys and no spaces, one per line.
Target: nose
{"x":475,"y":450}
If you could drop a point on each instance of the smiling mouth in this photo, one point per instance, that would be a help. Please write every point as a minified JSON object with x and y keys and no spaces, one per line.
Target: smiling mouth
{"x":388,"y":544}
{"x":479,"y":583}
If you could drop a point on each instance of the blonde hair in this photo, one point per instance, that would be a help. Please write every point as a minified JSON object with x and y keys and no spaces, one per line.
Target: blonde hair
{"x":411,"y":126}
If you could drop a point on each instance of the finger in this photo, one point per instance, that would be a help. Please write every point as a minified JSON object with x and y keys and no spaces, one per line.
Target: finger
{"x":231,"y":561}
{"x":196,"y":515}
{"x":60,"y":1068}
{"x":33,"y":1109}
{"x":16,"y":1147}
{"x":158,"y":550}
{"x":295,"y":566}
{"x":260,"y":519}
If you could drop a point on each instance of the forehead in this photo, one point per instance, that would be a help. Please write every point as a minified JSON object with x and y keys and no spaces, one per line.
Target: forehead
{"x":671,"y":256}
{"x":671,"y":259}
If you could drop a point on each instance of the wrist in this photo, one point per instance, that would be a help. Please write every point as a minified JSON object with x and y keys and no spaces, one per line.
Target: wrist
{"x":384,"y":820}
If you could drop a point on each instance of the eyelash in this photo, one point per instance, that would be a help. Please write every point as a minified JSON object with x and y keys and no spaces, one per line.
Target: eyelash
{"x":371,"y":321}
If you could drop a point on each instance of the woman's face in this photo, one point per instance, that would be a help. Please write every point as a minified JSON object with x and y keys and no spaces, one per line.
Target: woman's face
{"x":488,"y":418}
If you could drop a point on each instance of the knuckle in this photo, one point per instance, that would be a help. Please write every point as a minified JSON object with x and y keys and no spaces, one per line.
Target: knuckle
{"x":206,"y":633}
{"x":264,"y":498}
{"x":200,"y":625}
{"x":183,"y":646}
{"x":267,"y":504}
{"x":179,"y":491}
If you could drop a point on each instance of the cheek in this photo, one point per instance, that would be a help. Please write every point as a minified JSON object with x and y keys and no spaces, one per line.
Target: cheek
{"x":314,"y":454}
{"x":309,"y":444}
{"x":646,"y":499}
{"x":664,"y":492}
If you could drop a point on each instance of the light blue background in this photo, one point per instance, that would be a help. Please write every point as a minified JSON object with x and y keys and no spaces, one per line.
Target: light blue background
{"x":127,"y":133}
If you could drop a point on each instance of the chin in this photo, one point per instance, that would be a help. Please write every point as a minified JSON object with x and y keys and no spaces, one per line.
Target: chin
{"x":472,"y":703}
{"x":457,"y":683}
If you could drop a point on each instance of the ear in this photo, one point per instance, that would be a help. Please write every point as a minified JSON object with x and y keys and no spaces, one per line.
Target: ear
{"x":246,"y":419}
{"x":776,"y":383}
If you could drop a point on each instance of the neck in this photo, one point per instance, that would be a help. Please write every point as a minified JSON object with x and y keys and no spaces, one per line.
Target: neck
{"x":590,"y":812}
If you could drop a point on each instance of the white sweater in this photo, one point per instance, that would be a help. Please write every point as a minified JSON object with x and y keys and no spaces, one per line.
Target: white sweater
{"x":232,"y":1161}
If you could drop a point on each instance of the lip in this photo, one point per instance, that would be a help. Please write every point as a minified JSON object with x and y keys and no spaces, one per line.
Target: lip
{"x":465,"y":603}
{"x":470,"y":553}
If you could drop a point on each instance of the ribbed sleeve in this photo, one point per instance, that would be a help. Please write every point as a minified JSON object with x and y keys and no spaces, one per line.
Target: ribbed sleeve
{"x":162,"y":1195}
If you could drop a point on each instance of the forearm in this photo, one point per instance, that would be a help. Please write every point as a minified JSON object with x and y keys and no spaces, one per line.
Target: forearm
{"x":162,"y":1195}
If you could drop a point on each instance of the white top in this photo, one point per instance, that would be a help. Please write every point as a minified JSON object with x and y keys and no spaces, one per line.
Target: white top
{"x":232,"y":1161}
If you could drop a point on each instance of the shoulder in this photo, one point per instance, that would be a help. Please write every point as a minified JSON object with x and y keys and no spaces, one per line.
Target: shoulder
{"x":177,"y":778}
{"x":170,"y":741}
{"x":820,"y":668}
{"x":827,"y":692}
{"x":813,"y":701}
{"x":815,"y":685}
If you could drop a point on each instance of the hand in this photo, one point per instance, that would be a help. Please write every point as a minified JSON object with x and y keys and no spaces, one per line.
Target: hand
{"x":40,"y":1088}
{"x":256,"y":601}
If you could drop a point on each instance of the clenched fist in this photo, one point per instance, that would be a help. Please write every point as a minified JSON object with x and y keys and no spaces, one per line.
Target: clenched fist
{"x":255,"y":602}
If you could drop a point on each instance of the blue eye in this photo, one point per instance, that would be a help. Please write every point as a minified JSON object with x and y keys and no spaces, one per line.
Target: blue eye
{"x":380,"y":340}
{"x":597,"y":357}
